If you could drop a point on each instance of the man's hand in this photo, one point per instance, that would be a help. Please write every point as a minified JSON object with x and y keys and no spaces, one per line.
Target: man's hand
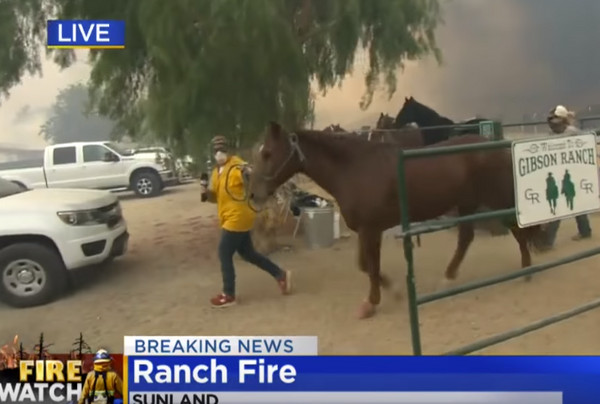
{"x":246,"y":173}
{"x":246,"y":170}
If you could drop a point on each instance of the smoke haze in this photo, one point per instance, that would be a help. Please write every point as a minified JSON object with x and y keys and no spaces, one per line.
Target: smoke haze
{"x":502,"y":59}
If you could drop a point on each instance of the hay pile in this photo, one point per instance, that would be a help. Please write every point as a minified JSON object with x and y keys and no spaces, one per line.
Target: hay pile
{"x":274,"y":219}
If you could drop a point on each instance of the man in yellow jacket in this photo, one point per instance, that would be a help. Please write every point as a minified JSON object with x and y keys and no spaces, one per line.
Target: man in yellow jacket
{"x":236,"y":218}
{"x":102,"y":383}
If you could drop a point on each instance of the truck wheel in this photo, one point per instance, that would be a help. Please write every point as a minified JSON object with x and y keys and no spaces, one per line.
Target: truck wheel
{"x":146,"y":184}
{"x":31,"y":274}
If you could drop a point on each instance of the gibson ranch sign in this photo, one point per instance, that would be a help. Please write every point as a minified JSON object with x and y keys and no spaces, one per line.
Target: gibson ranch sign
{"x":555,"y":177}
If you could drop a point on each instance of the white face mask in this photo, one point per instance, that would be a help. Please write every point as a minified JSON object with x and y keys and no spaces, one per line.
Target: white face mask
{"x":221,"y":157}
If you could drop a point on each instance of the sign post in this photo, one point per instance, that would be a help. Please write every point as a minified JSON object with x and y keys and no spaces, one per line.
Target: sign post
{"x":486,"y":128}
{"x":555,"y":178}
{"x":491,"y":129}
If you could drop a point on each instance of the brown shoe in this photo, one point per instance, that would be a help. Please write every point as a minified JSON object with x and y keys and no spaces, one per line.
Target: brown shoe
{"x":222,"y":301}
{"x":285,"y":283}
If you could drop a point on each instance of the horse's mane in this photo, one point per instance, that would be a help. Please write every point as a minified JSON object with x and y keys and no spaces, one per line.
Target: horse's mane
{"x":350,"y":140}
{"x":333,"y":137}
{"x":342,"y":145}
{"x":425,"y":107}
{"x":429,"y":110}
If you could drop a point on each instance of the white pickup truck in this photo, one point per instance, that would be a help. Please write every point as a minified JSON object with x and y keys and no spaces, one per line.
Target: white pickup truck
{"x":181,"y":164}
{"x":46,"y":233}
{"x":96,"y":165}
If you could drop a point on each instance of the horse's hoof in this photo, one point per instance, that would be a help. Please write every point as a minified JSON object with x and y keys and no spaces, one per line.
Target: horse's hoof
{"x":445,"y":283}
{"x":366,"y":310}
{"x":528,"y":278}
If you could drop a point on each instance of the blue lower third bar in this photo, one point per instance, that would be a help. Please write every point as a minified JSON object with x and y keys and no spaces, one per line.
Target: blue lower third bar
{"x":341,"y":397}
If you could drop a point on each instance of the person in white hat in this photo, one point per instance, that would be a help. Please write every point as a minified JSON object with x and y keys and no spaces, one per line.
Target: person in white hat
{"x":562,"y":122}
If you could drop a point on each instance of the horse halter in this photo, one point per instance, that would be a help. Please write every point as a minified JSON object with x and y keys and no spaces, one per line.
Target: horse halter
{"x":294,"y":149}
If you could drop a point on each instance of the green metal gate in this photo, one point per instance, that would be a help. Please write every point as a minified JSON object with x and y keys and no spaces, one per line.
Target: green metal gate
{"x":409,"y":231}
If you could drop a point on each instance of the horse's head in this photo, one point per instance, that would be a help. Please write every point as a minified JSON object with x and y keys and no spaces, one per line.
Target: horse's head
{"x":408,"y":113}
{"x":278,"y":158}
{"x":413,"y":111}
{"x":385,"y":122}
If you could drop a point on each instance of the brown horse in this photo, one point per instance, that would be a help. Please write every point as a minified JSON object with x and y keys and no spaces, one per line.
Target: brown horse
{"x":408,"y":136}
{"x":385,"y":122}
{"x":362,"y":177}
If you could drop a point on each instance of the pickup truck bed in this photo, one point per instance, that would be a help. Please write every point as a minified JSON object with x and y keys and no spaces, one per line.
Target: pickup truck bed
{"x":15,"y":165}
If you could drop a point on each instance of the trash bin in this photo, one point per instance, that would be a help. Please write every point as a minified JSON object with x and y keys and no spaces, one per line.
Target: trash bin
{"x":336,"y":225}
{"x":317,"y":226}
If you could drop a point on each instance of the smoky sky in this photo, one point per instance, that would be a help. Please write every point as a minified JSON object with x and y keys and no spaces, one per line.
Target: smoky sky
{"x":508,"y":58}
{"x":570,"y":46}
{"x":502,"y":59}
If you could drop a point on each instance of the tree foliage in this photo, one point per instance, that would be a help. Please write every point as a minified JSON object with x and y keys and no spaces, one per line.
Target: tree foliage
{"x":197,"y":67}
{"x":72,"y":121}
{"x":21,"y":33}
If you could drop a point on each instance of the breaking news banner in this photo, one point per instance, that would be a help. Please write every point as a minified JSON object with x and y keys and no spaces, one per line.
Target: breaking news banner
{"x":85,"y":34}
{"x":276,"y":370}
{"x":38,"y":376}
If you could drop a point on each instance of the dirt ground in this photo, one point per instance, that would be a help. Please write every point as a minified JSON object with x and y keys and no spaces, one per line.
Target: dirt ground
{"x":162,"y":287}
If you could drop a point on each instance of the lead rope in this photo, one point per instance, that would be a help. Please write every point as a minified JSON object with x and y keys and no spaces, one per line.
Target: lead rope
{"x":246,"y":195}
{"x":295,"y":149}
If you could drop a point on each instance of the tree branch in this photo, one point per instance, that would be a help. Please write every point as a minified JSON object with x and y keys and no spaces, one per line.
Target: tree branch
{"x":318,"y":31}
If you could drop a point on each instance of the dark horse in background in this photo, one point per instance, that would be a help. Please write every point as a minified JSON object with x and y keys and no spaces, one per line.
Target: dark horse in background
{"x":415,"y":112}
{"x":363,"y":178}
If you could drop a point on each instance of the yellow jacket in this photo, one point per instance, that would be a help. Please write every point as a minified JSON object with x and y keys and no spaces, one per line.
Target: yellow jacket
{"x":234,"y":213}
{"x":115,"y":384}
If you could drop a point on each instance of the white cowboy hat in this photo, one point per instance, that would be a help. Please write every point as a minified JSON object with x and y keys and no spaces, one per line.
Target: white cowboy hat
{"x":560,"y":111}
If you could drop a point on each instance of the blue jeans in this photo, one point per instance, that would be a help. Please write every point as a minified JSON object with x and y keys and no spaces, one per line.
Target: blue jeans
{"x":232,"y":241}
{"x":583,"y":227}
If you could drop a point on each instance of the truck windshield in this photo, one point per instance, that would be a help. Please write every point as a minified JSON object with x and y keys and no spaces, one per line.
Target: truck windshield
{"x":8,"y":188}
{"x":117,"y":149}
